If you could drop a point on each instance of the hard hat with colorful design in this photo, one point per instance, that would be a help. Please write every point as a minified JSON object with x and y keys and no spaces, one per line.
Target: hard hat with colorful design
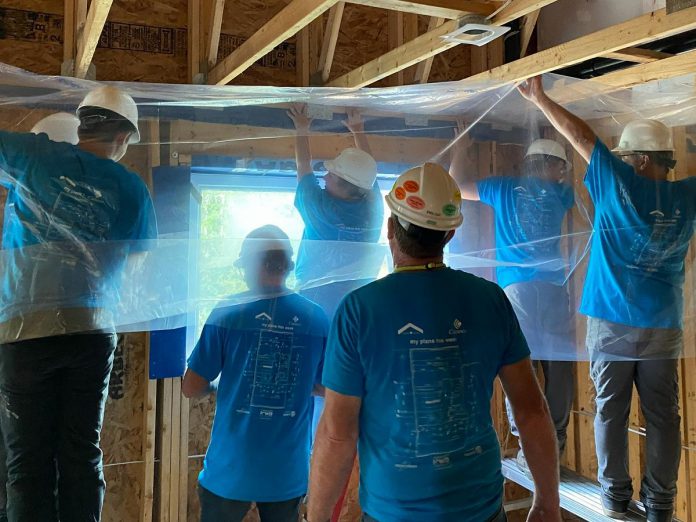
{"x":60,"y":127}
{"x":427,"y":196}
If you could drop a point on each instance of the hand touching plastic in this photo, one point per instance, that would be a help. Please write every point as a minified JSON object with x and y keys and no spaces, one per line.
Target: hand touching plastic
{"x":298,"y":115}
{"x":532,"y":90}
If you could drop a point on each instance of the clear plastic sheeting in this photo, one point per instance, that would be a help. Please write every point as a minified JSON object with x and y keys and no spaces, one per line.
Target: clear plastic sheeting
{"x":86,"y":249}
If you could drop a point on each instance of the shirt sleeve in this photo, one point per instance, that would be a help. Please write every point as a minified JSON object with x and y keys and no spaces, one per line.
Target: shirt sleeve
{"x":307,"y":195}
{"x":516,"y":347}
{"x":343,"y":370}
{"x":489,"y":190}
{"x":207,"y":357}
{"x":602,"y":170}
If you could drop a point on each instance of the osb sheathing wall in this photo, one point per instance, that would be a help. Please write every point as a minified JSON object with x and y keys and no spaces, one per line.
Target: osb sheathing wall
{"x":145,"y":40}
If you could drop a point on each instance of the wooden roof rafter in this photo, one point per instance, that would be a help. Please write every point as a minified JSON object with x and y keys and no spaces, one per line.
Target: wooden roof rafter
{"x":426,"y":46}
{"x":628,"y":34}
{"x":449,"y":9}
{"x":288,"y":22}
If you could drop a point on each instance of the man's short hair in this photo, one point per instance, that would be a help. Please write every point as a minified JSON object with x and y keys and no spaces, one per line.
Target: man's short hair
{"x":418,"y":242}
{"x":353,"y":191}
{"x":97,"y":123}
{"x":663,"y":158}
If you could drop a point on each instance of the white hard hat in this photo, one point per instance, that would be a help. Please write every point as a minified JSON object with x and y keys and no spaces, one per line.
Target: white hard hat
{"x":547,"y":148}
{"x":264,"y":239}
{"x":427,"y":196}
{"x":354,"y":166}
{"x":61,"y":127}
{"x":645,"y":135}
{"x":115,"y":100}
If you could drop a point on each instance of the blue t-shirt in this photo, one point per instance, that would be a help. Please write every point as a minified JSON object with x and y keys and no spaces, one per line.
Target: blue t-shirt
{"x":329,"y":220}
{"x":642,"y":230}
{"x":269,"y":355}
{"x":422,"y":350}
{"x":71,"y":220}
{"x":529,"y":212}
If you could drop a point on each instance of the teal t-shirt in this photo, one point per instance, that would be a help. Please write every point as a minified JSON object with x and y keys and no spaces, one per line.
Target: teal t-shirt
{"x":268,"y":354}
{"x":422,"y":349}
{"x":529,"y":213}
{"x":642,"y":231}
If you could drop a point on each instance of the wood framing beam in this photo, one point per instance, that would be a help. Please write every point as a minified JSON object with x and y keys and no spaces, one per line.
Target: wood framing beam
{"x":214,"y":30}
{"x":288,"y":22}
{"x":423,"y":68}
{"x":73,"y":25}
{"x":527,"y":27}
{"x":637,"y":55}
{"x":328,"y":44}
{"x":637,"y":31}
{"x":87,"y":40}
{"x":450,"y":9}
{"x":194,"y":39}
{"x":426,"y":45}
{"x":395,"y":34}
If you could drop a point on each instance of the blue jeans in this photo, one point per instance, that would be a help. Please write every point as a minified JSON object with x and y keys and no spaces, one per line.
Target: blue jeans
{"x":53,"y":392}
{"x":218,"y":509}
{"x":498,"y":517}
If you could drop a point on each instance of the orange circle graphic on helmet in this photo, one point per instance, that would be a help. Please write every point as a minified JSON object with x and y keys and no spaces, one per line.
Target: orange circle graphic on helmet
{"x":399,"y":193}
{"x":411,"y":186}
{"x":415,"y":202}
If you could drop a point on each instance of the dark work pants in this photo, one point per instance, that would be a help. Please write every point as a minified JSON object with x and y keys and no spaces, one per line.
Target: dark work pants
{"x":543,"y":311}
{"x":218,"y":509}
{"x":52,"y":396}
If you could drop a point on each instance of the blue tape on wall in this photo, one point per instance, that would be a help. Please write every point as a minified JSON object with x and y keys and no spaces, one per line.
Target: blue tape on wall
{"x":171,"y":187}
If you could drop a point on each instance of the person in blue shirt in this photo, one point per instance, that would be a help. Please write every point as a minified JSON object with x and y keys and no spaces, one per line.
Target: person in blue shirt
{"x":267,"y":351}
{"x":529,"y":212}
{"x":78,"y":220}
{"x":643,"y":225}
{"x":411,"y":360}
{"x":341,"y":219}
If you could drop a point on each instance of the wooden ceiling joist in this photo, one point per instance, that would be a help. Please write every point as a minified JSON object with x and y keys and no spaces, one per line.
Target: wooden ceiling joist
{"x":423,"y":68}
{"x":637,"y":55}
{"x":450,"y":9}
{"x":288,"y":22}
{"x":214,"y":30}
{"x":637,"y":31}
{"x":89,"y":37}
{"x":328,"y":44}
{"x":527,"y":29}
{"x":425,"y":46}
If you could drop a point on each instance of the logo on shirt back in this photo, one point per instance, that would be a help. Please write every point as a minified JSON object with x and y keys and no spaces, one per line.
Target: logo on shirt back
{"x":264,"y":315}
{"x":657,"y":214}
{"x":409,"y":329}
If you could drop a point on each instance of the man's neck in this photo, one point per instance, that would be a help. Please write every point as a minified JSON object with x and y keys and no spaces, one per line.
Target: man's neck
{"x":403,"y":260}
{"x":93,"y":148}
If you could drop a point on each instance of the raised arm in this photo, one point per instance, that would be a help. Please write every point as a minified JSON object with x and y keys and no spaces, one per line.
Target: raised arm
{"x":334,"y":451}
{"x":575,"y":130}
{"x":356,"y":126}
{"x":537,"y":435}
{"x":298,"y":114}
{"x":460,"y":162}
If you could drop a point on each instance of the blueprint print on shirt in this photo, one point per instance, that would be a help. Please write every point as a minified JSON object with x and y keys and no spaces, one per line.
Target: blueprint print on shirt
{"x":662,"y":245}
{"x":271,"y":375}
{"x":537,"y":220}
{"x":438,"y":395}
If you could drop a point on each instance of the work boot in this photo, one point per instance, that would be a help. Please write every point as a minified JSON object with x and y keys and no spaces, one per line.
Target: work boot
{"x":658,"y":515}
{"x":616,"y":509}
